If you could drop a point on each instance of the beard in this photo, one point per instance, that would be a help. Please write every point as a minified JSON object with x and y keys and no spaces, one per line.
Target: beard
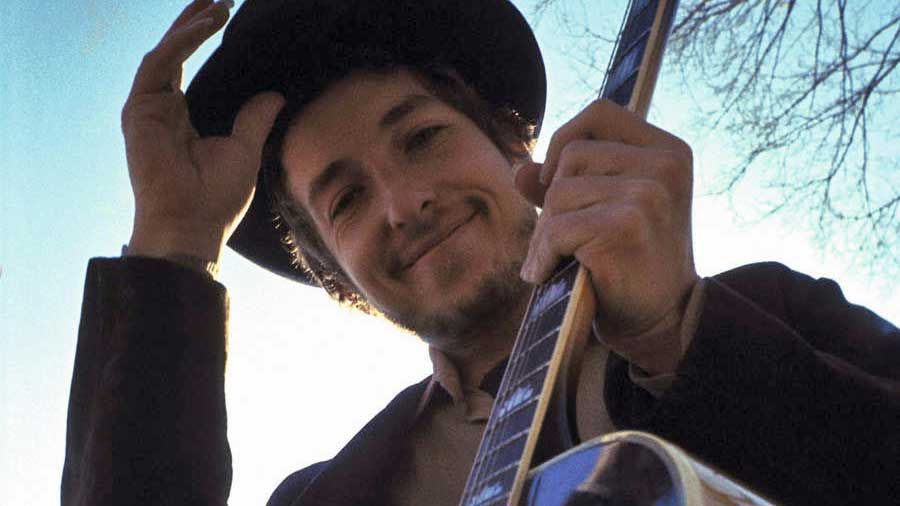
{"x":495,"y":302}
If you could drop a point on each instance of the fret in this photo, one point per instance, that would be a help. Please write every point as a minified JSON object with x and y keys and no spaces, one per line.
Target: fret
{"x":622,"y":94}
{"x":550,"y":327}
{"x":516,"y":420}
{"x":560,"y":283}
{"x":546,"y":325}
{"x":490,"y":501}
{"x":522,"y":395}
{"x":498,"y":500}
{"x":629,"y":66}
{"x":549,"y":333}
{"x":567,"y":268}
{"x":621,"y":76}
{"x":547,"y":296}
{"x":508,"y":428}
{"x":531,"y":376}
{"x":630,"y":83}
{"x":509,"y":450}
{"x":495,"y":486}
{"x":639,"y":23}
{"x":499,"y":473}
{"x":539,"y":355}
{"x":522,"y":401}
{"x":494,"y":494}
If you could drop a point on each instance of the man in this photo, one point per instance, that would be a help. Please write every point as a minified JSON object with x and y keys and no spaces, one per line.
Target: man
{"x":393,"y":142}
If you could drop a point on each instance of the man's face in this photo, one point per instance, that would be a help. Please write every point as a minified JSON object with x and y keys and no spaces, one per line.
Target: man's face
{"x":414,"y":201}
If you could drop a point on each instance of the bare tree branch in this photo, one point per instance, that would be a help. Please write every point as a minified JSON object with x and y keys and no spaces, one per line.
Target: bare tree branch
{"x":805,"y":92}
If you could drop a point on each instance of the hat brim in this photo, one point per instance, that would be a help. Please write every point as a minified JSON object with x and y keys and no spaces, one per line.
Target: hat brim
{"x":298,"y":47}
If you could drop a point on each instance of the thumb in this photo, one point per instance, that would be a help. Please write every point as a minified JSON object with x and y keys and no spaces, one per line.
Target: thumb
{"x":254,"y":120}
{"x":529,"y":184}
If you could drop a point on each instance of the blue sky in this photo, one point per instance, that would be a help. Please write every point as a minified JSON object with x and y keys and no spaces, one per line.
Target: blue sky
{"x":303,"y":375}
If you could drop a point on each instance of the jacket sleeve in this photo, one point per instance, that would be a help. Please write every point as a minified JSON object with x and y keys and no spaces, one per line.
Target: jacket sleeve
{"x":295,"y":484}
{"x":787,"y":387}
{"x":146,"y":420}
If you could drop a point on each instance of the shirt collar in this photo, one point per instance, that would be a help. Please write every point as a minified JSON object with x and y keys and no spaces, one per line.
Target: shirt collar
{"x":446,"y":378}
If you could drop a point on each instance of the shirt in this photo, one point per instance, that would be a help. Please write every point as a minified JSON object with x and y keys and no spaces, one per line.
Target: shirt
{"x":445,"y":437}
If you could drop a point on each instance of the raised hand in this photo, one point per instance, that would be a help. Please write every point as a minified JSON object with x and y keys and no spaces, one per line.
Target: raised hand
{"x":190,"y":192}
{"x":616,"y":194}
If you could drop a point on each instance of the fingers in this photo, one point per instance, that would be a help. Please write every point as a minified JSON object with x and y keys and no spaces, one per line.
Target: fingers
{"x":604,"y":121}
{"x":254,"y":120}
{"x":601,"y":158}
{"x":187,"y":14}
{"x":581,"y":162}
{"x":572,"y":194}
{"x":670,"y":167}
{"x":528,"y":183}
{"x":595,"y":228}
{"x":161,"y":67}
{"x":605,"y":211}
{"x":579,"y":157}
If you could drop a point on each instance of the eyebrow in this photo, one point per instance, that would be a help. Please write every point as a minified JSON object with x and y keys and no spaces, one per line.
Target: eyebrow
{"x":334,"y":171}
{"x":404,"y":108}
{"x":340,"y":168}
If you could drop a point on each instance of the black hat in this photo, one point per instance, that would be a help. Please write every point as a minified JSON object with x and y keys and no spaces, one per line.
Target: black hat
{"x":298,"y":47}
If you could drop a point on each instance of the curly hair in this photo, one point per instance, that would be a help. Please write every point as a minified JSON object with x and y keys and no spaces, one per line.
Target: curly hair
{"x":513,"y":136}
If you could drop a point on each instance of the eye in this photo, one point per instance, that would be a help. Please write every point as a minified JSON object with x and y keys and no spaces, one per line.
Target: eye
{"x":344,"y":201}
{"x":421,"y":138}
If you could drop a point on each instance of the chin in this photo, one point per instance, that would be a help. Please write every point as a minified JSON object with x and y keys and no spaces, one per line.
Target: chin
{"x":466,"y":307}
{"x":469,"y":288}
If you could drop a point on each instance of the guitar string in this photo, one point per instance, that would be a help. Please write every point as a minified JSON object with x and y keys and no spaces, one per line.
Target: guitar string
{"x":485,"y":460}
{"x":514,"y":366}
{"x":497,"y":429}
{"x":637,"y":46}
{"x":516,"y":363}
{"x":545,"y":319}
{"x":489,"y":441}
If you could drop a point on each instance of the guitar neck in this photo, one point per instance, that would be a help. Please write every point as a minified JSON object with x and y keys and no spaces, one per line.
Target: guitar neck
{"x":523,"y":398}
{"x":637,"y":56}
{"x":561,"y":308}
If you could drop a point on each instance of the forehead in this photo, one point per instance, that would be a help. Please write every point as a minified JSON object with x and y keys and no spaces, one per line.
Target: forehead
{"x":362,"y":95}
{"x":348,"y":115}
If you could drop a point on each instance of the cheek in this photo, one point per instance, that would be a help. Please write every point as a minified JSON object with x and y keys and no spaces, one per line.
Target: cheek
{"x":485,"y":164}
{"x":358,"y":259}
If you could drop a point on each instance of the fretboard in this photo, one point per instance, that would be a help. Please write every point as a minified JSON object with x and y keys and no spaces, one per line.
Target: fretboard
{"x":507,"y":432}
{"x":631,"y":74}
{"x":565,"y":301}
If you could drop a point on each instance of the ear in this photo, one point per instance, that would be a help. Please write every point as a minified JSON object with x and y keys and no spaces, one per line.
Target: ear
{"x":528,"y":182}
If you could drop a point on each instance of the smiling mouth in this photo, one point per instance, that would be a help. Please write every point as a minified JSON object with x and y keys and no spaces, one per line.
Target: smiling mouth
{"x":434,"y":241}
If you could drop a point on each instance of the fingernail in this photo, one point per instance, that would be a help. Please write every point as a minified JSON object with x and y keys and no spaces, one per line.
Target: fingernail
{"x":527,"y":272}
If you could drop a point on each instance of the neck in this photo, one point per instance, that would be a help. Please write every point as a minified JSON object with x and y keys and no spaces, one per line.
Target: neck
{"x":477,"y":352}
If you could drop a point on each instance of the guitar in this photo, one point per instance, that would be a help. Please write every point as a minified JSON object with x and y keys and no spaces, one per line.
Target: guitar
{"x":622,"y":467}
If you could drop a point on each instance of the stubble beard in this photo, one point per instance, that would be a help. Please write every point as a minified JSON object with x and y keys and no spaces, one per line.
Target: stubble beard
{"x":495,"y":302}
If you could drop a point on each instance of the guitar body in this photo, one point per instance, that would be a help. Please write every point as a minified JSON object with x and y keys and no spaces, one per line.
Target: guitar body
{"x":633,"y":468}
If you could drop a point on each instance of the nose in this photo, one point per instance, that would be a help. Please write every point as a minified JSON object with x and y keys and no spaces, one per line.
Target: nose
{"x":410,"y":206}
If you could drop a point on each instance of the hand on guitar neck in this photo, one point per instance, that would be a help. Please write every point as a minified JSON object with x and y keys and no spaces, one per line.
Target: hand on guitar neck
{"x":616,"y":195}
